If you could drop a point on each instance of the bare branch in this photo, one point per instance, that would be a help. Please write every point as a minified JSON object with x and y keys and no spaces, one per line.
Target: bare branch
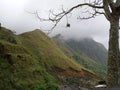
{"x":56,"y":17}
{"x":85,"y":4}
{"x":111,"y":4}
{"x":117,"y":4}
{"x":107,"y":9}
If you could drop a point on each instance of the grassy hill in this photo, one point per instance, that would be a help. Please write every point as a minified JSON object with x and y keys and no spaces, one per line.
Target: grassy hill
{"x":19,"y":70}
{"x":44,"y":48}
{"x":31,"y":61}
{"x":87,"y":52}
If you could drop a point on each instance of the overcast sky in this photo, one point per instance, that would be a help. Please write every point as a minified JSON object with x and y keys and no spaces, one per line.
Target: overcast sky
{"x":14,"y":15}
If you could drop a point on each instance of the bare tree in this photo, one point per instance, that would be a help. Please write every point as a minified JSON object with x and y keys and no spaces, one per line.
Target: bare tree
{"x":111,"y":10}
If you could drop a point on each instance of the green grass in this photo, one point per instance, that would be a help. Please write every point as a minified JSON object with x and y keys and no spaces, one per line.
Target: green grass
{"x":82,"y":58}
{"x":19,"y":69}
{"x":44,"y":48}
{"x":27,"y":61}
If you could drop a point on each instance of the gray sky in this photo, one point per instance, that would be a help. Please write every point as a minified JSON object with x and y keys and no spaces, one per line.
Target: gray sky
{"x":13,"y":15}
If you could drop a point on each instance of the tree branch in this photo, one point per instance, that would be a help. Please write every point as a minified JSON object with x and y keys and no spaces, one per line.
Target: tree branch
{"x":107,"y":9}
{"x":55,"y":18}
{"x":117,"y":4}
{"x":111,"y":4}
{"x":85,"y":4}
{"x":92,"y":15}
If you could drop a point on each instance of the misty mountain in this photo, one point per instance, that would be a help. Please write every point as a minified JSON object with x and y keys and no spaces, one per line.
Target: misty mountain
{"x":86,"y":51}
{"x":91,"y":48}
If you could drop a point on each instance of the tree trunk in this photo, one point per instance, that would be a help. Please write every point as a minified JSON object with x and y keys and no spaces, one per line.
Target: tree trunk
{"x":113,"y":52}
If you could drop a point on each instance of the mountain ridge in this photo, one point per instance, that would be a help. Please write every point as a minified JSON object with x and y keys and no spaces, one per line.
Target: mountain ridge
{"x":32,"y":61}
{"x":85,"y":51}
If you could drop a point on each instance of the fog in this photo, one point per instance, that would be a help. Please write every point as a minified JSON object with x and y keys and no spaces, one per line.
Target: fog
{"x":14,"y":15}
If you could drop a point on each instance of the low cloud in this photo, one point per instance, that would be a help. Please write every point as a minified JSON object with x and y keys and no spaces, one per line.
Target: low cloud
{"x":14,"y":16}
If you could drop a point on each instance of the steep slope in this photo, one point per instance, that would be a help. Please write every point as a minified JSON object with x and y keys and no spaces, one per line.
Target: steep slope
{"x":31,"y":61}
{"x":94,"y":50}
{"x":87,"y":52}
{"x":19,"y":70}
{"x":45,"y":49}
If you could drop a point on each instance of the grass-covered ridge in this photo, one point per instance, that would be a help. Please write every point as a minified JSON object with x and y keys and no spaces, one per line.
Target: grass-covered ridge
{"x":18,"y":68}
{"x":32,"y":61}
{"x":44,"y":48}
{"x":86,"y":51}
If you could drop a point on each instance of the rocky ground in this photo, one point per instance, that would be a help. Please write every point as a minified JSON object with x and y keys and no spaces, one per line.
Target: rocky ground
{"x":70,"y":87}
{"x":106,"y":89}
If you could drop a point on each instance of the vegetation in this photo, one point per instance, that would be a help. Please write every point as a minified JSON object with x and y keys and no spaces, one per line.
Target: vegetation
{"x":87,"y":52}
{"x":111,"y":10}
{"x":31,"y":61}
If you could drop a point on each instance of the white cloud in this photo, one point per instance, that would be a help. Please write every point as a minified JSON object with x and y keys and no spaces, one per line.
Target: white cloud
{"x":14,"y":16}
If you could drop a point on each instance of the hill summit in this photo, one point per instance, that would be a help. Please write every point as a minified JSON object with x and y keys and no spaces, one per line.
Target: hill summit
{"x":32,"y":61}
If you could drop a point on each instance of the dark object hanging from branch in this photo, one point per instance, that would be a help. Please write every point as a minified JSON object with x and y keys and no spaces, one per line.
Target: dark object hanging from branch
{"x":67,"y":25}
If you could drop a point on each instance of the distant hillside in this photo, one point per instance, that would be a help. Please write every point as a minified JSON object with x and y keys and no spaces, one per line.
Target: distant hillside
{"x":87,"y":52}
{"x":93,"y":49}
{"x":31,"y":61}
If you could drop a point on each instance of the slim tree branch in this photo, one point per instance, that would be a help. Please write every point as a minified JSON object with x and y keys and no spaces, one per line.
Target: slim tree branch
{"x":107,"y":9}
{"x":117,"y":4}
{"x":55,"y":18}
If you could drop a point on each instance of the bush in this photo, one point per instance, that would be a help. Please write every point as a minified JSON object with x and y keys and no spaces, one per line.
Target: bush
{"x":41,"y":87}
{"x":50,"y":86}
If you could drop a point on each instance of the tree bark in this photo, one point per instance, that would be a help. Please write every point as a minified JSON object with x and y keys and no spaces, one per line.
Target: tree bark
{"x":113,"y":52}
